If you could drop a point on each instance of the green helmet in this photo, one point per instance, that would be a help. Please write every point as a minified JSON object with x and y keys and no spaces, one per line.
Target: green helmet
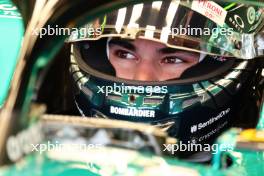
{"x":179,"y":65}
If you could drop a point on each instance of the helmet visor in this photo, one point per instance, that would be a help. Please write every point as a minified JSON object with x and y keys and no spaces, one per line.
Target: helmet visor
{"x":181,"y":25}
{"x":145,"y":60}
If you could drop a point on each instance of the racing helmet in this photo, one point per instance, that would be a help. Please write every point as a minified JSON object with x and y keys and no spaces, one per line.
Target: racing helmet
{"x":184,"y":66}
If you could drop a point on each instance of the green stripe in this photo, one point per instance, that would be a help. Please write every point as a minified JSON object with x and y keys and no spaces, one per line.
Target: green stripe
{"x":229,"y":6}
{"x":104,"y":23}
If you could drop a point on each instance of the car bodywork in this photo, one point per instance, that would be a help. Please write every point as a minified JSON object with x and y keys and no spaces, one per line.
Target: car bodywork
{"x":246,"y":161}
{"x":11,"y":33}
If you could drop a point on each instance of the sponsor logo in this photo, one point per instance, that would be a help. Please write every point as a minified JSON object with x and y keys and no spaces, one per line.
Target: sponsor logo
{"x":132,"y":112}
{"x":193,"y":128}
{"x":211,"y":133}
{"x":212,"y":120}
{"x":251,"y":15}
{"x":211,"y":10}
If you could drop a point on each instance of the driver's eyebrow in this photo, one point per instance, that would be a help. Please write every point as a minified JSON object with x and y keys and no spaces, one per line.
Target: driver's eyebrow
{"x":168,"y":50}
{"x":123,"y":43}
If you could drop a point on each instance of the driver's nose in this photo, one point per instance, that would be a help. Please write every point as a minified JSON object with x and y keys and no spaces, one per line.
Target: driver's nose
{"x":146,"y":71}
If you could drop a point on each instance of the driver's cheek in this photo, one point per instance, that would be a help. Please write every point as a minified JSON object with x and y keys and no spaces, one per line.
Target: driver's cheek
{"x":174,"y":71}
{"x":124,"y":69}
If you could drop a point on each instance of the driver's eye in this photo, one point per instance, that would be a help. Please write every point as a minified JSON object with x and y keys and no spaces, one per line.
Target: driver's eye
{"x":171,"y":60}
{"x":124,"y":54}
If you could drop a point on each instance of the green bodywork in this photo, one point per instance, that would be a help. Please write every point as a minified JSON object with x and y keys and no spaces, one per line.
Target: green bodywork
{"x":117,"y":162}
{"x":11,"y":34}
{"x":245,"y":160}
